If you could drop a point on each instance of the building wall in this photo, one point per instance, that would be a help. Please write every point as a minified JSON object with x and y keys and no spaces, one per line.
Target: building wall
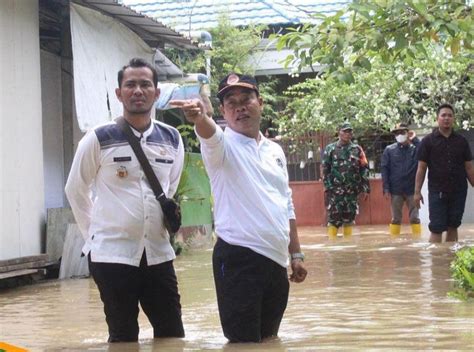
{"x":21,"y":153}
{"x":308,"y":198}
{"x":53,"y":152}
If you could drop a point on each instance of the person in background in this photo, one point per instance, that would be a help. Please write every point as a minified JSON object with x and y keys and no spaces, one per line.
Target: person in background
{"x":447,"y":156}
{"x":345,"y":177}
{"x":399,"y":166}
{"x":128,"y":247}
{"x":254,"y":215}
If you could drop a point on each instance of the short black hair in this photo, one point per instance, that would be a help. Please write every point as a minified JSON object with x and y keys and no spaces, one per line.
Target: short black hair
{"x":442,"y":106}
{"x":138,"y":62}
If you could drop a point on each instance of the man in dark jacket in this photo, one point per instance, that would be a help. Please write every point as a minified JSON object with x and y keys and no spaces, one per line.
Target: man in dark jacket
{"x":399,"y":165}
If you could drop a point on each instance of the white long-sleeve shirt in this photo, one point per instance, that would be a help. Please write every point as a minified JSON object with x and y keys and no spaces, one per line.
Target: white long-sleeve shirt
{"x":112,"y":201}
{"x":252,"y":197}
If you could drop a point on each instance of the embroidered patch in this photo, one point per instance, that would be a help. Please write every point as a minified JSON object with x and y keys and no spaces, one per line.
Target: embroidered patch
{"x":232,"y":79}
{"x":122,"y":172}
{"x":279,"y":162}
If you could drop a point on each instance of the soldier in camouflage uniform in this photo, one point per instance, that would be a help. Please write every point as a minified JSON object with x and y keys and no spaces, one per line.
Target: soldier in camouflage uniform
{"x":345,"y":176}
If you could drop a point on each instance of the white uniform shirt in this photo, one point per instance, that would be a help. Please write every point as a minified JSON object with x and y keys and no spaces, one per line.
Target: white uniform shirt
{"x":112,"y":201}
{"x":252,"y":196}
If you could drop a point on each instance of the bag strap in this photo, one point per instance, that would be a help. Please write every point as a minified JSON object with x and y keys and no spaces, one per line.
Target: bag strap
{"x":147,"y":169}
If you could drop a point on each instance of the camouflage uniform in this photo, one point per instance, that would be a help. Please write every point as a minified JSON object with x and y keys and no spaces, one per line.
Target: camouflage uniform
{"x":345,"y":175}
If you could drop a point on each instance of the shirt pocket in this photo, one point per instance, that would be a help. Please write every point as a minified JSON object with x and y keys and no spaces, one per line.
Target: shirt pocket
{"x":162,"y":168}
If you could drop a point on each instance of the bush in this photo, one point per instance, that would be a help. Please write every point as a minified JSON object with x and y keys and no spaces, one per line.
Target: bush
{"x":462,"y":270}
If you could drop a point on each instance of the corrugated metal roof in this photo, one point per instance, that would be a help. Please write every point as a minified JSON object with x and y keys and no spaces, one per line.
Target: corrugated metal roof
{"x":147,"y":27}
{"x":185,"y":15}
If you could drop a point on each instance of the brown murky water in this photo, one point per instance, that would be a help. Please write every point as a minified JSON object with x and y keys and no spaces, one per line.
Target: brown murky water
{"x":366,"y":292}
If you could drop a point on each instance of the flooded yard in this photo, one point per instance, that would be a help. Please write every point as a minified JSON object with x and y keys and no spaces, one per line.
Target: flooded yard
{"x":369,"y":291}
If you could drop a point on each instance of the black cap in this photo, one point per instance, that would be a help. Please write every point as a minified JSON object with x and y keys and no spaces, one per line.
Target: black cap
{"x":236,"y":80}
{"x":400,"y":127}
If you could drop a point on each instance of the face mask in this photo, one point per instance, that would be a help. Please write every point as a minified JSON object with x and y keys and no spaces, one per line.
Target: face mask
{"x":401,"y":138}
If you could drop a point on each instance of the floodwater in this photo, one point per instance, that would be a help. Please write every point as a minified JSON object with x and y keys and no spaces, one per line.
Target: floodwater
{"x":367,"y":292}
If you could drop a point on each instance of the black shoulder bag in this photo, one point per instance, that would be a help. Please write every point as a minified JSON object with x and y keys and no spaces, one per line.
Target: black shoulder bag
{"x":171,"y":209}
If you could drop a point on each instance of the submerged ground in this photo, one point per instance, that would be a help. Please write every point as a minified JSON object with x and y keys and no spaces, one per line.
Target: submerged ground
{"x":367,"y":292}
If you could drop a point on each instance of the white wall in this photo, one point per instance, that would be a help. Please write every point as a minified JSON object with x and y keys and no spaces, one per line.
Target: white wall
{"x":53,"y":152}
{"x":21,"y":150}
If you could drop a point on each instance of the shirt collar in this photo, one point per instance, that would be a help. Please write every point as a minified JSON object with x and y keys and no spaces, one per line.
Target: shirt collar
{"x":437,"y":133}
{"x":145,"y":134}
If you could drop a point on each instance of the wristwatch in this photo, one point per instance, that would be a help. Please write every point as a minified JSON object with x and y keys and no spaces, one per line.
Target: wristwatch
{"x":297,"y":256}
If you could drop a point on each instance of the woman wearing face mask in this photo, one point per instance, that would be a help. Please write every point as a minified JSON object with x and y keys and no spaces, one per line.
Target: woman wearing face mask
{"x":399,"y":166}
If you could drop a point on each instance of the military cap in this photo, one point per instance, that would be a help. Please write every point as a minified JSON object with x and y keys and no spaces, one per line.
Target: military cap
{"x":345,"y":126}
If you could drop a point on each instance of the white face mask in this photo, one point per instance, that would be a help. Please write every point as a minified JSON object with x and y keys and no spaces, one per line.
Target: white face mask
{"x":401,"y":138}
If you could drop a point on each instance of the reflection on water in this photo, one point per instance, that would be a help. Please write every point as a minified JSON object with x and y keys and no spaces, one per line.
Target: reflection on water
{"x":366,"y":292}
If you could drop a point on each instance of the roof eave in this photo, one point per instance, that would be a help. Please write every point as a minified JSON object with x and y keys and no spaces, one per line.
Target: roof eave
{"x":154,"y":33}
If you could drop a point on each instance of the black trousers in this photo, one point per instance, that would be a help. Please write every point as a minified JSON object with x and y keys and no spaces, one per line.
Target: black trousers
{"x":122,"y":287}
{"x":252,"y":293}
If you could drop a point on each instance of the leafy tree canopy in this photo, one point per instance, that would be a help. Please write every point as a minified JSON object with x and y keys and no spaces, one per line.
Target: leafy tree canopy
{"x":392,"y":30}
{"x":382,"y":97}
{"x":231,"y":49}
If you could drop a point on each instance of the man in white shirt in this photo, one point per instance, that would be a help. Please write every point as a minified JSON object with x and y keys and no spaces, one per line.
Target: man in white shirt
{"x":130,"y":256}
{"x":254,"y":213}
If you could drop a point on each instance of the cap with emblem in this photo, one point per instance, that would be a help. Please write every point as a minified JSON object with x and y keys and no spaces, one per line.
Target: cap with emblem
{"x":400,"y":127}
{"x":345,"y":126}
{"x":236,"y":80}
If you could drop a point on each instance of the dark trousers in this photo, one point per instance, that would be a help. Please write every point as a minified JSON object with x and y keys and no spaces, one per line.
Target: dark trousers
{"x":122,"y":287}
{"x":252,"y":293}
{"x":446,"y":210}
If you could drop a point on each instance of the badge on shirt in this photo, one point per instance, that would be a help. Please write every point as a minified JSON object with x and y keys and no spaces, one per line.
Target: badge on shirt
{"x":279,"y":162}
{"x":122,"y":172}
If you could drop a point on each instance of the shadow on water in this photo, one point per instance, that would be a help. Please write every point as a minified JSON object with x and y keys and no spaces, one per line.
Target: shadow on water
{"x":369,"y":291}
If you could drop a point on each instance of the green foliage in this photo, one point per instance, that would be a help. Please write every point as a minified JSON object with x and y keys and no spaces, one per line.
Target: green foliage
{"x":273,"y":103}
{"x":192,"y":61}
{"x":231,"y":49}
{"x":391,"y":30}
{"x":462,"y":270}
{"x":188,"y":134}
{"x":382,"y":97}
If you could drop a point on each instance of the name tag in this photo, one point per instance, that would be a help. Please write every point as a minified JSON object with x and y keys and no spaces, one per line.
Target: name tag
{"x":164,"y":161}
{"x":122,"y":158}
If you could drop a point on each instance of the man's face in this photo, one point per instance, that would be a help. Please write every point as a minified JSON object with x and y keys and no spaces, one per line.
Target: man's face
{"x":137,"y":92}
{"x":345,"y":136}
{"x":446,"y":118}
{"x":242,"y":109}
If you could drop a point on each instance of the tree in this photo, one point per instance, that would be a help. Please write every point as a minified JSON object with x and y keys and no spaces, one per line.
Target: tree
{"x":382,"y":97}
{"x":392,"y":30}
{"x":231,"y":50}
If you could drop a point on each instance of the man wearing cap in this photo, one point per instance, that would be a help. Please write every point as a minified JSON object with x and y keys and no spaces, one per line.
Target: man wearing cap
{"x":345,"y":177}
{"x":448,"y":157}
{"x":254,"y":214}
{"x":399,"y":165}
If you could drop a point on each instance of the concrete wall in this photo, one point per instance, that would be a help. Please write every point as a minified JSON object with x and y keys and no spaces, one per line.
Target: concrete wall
{"x":308,"y":198}
{"x":21,"y":152}
{"x":53,"y":153}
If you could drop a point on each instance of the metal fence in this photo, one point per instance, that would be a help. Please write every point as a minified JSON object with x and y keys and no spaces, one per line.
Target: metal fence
{"x":304,"y":154}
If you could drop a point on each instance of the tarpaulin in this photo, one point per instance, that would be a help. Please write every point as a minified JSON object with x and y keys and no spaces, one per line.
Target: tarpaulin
{"x":101,"y":46}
